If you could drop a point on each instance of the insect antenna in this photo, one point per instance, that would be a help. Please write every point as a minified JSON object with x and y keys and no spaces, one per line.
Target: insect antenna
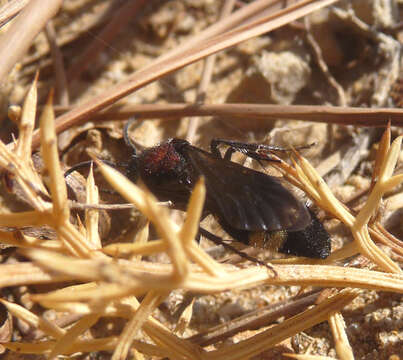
{"x":126,"y":136}
{"x":129,"y":142}
{"x":88,"y":164}
{"x":128,"y":166}
{"x":219,"y":241}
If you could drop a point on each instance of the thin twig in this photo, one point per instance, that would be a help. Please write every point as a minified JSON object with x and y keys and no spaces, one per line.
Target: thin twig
{"x":120,"y":19}
{"x":11,"y":9}
{"x":29,"y":22}
{"x":323,"y":66}
{"x":206,"y":76}
{"x":367,"y":117}
{"x":256,"y":319}
{"x":62,"y":91}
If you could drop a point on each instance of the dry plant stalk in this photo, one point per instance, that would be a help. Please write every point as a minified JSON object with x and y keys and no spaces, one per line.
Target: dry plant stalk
{"x":22,"y":31}
{"x":110,"y":285}
{"x":374,"y":117}
{"x":308,"y":357}
{"x":343,"y":347}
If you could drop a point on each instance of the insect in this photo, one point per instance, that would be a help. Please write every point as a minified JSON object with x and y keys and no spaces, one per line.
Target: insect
{"x":252,"y":207}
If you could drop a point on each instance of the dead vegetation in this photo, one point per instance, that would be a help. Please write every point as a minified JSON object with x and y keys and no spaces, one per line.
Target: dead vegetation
{"x":80,"y":283}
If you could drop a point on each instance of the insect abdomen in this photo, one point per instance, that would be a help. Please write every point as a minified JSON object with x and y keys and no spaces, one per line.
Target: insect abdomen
{"x":312,"y":242}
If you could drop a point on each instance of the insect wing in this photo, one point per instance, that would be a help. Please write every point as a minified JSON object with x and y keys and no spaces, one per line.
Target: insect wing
{"x":245,"y":198}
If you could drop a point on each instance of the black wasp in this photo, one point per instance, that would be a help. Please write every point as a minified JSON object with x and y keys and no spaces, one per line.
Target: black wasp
{"x":252,"y":207}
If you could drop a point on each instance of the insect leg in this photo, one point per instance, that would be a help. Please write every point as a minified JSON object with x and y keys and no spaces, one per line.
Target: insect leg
{"x":217,"y":153}
{"x":219,"y":241}
{"x":251,"y":150}
{"x":255,"y":151}
{"x":228,"y":153}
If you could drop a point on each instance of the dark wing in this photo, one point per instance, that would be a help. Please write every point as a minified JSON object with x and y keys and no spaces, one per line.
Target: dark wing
{"x":245,"y":198}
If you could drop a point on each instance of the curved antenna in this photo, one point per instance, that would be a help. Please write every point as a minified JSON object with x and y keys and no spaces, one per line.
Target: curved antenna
{"x":87,"y":164}
{"x":129,"y":141}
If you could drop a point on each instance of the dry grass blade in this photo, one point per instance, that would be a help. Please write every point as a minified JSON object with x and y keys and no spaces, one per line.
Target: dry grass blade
{"x":304,"y":275}
{"x":256,"y":319}
{"x":35,"y":321}
{"x":147,"y":204}
{"x":190,"y":229}
{"x":268,"y":338}
{"x":308,"y":357}
{"x":10,"y":9}
{"x":203,"y":260}
{"x":142,"y":237}
{"x":381,"y":154}
{"x":124,"y":249}
{"x":30,"y":348}
{"x":65,"y":342}
{"x":29,"y":22}
{"x":387,"y":238}
{"x":101,"y":344}
{"x":140,"y":277}
{"x":343,"y":347}
{"x":16,"y":158}
{"x":52,"y":165}
{"x":92,"y":216}
{"x":26,"y":218}
{"x":24,"y":176}
{"x":73,"y":240}
{"x":385,"y":183}
{"x":17,"y":238}
{"x":374,"y":117}
{"x":147,"y":306}
{"x":187,"y":234}
{"x":27,"y":123}
{"x":184,"y":319}
{"x":27,"y":273}
{"x":172,"y":346}
{"x":311,"y":182}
